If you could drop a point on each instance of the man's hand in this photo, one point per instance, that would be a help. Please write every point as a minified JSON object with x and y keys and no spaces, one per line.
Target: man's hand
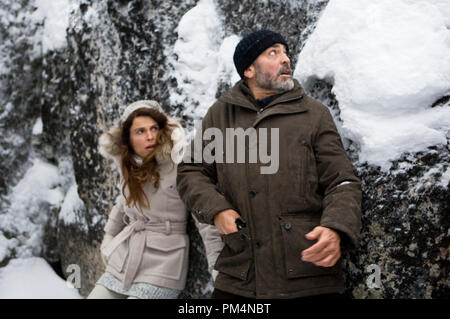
{"x":327,"y":251}
{"x":225,"y":221}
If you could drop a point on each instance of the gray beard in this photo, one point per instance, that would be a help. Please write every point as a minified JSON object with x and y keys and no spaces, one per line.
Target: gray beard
{"x":264,"y":81}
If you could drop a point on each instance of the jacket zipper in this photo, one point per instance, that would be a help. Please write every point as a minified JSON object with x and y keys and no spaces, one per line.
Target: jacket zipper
{"x":283,"y":101}
{"x":259,"y":113}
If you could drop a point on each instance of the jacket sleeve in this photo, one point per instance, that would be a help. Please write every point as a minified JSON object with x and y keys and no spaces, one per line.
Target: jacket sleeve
{"x":341,"y":187}
{"x":211,"y":240}
{"x":196,"y":181}
{"x":115,"y":222}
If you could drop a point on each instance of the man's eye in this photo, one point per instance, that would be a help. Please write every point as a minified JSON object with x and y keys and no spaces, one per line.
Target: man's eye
{"x":273,"y":52}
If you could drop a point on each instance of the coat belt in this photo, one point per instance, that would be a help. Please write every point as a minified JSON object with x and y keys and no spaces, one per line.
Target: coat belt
{"x":137,"y":243}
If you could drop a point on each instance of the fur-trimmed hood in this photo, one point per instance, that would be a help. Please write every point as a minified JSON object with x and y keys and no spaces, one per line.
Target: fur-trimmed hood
{"x":109,"y":143}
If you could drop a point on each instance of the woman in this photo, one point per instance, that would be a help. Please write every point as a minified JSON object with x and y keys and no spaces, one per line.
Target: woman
{"x":145,"y":248}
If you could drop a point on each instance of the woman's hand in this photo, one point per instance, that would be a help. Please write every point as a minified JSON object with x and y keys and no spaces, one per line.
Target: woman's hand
{"x":106,"y":240}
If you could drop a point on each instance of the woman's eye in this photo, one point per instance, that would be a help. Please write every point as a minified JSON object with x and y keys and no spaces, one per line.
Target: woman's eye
{"x":140,"y":131}
{"x":155,"y":129}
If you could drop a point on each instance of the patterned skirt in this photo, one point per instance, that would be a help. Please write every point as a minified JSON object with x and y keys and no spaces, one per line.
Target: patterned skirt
{"x":140,"y":290}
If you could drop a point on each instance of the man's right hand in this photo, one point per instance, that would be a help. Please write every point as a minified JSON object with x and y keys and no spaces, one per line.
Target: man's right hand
{"x":225,"y":221}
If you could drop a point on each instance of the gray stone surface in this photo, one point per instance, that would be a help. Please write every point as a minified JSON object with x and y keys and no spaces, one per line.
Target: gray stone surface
{"x":405,"y":223}
{"x":405,"y":229}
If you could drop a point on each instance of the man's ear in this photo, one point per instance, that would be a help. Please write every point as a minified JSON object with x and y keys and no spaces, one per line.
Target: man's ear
{"x":249,"y":73}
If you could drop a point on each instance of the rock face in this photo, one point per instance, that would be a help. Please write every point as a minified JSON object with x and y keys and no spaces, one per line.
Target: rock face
{"x":19,"y":94}
{"x":404,"y":249}
{"x":117,"y":53}
{"x":405,"y":229}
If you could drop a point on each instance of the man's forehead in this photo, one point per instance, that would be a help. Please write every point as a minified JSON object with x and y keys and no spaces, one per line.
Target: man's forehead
{"x":277,"y":45}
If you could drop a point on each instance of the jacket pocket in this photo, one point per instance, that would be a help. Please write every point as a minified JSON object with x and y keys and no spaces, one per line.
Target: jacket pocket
{"x":234,"y":259}
{"x":119,"y":256}
{"x":164,"y":256}
{"x":296,"y":199}
{"x":303,"y":171}
{"x":294,"y":229}
{"x":308,"y":169}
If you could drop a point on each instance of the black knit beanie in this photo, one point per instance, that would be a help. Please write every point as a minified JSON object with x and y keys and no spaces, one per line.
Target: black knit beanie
{"x":252,"y":45}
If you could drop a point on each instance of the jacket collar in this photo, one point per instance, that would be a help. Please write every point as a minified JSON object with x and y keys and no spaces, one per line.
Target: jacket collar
{"x":240,"y":95}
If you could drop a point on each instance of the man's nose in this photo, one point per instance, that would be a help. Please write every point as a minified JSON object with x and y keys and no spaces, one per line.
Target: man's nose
{"x":285,"y":59}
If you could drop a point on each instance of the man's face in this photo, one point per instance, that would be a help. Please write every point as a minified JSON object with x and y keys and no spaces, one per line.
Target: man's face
{"x":272,"y":69}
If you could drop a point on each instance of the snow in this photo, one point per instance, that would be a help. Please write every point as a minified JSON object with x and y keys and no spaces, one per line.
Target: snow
{"x":72,"y":203}
{"x":438,"y":174}
{"x":37,"y":127}
{"x":6,"y":246}
{"x":38,"y":191}
{"x":55,"y":15}
{"x":201,"y":57}
{"x":389,"y":61}
{"x":8,"y":108}
{"x":445,"y":178}
{"x":31,"y":29}
{"x":33,"y":278}
{"x":42,"y":188}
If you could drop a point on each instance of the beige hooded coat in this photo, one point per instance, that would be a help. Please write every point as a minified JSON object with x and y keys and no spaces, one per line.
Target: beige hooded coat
{"x":152,"y":246}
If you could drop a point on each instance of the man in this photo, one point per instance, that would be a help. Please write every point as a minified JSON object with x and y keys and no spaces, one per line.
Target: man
{"x":292,"y":222}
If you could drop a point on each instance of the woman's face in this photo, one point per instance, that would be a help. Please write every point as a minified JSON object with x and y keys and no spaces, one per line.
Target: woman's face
{"x":144,"y":132}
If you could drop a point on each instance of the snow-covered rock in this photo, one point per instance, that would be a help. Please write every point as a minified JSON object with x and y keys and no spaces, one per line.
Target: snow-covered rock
{"x":33,"y":278}
{"x":389,"y":62}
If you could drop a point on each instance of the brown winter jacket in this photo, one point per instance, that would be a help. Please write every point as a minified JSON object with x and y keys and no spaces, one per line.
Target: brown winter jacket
{"x":315,"y":185}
